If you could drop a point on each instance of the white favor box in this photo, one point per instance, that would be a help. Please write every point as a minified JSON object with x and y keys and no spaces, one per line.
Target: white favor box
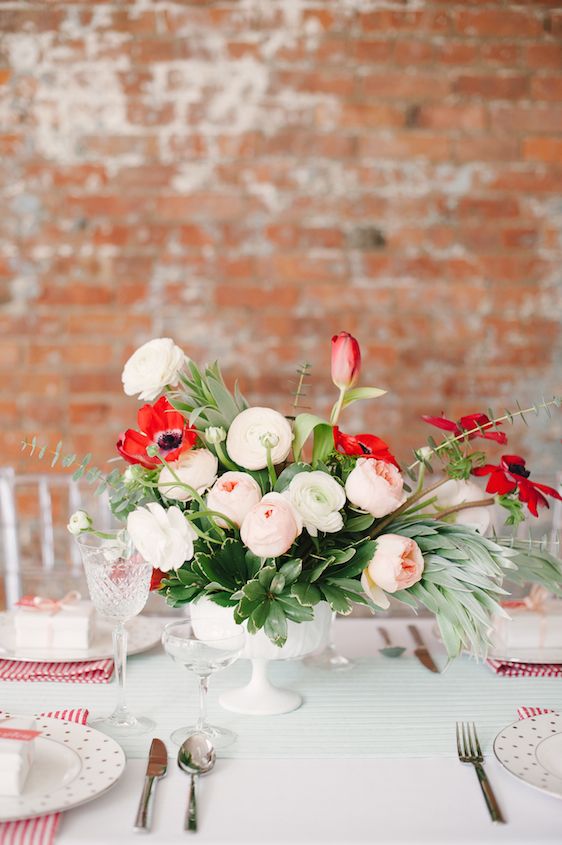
{"x":529,"y":628}
{"x":72,"y":626}
{"x":16,"y":756}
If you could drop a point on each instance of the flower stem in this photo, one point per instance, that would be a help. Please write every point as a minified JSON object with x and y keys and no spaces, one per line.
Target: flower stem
{"x":271,"y":468}
{"x":481,"y":503}
{"x":336,"y":410}
{"x":403,"y":508}
{"x":225,"y":460}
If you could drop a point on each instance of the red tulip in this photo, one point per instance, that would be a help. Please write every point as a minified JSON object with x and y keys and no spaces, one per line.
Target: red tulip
{"x":346,"y":360}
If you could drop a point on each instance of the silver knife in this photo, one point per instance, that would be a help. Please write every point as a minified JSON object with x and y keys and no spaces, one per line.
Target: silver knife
{"x":156,"y":769}
{"x":421,"y":651}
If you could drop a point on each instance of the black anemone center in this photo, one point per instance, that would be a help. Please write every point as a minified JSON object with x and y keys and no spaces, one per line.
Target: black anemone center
{"x":518,"y":469}
{"x":169,"y":440}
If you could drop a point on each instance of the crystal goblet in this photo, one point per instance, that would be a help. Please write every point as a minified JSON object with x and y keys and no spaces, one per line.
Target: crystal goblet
{"x":119,"y":583}
{"x":203,"y":646}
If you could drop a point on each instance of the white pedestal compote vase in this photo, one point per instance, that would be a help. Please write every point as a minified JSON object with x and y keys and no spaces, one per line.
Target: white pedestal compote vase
{"x":260,"y":697}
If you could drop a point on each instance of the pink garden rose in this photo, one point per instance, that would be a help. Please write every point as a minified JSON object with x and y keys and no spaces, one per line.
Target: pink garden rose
{"x":396,"y":565}
{"x":375,"y":486}
{"x":233,"y":494}
{"x":271,"y":527}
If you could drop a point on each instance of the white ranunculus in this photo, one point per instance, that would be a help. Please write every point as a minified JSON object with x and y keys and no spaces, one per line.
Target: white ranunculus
{"x":164,"y":538}
{"x":215,"y":434}
{"x":154,"y":365}
{"x":318,"y":498}
{"x":250,"y":433}
{"x":78,"y":522}
{"x":233,"y":494}
{"x":454,"y":493}
{"x":197,"y":468}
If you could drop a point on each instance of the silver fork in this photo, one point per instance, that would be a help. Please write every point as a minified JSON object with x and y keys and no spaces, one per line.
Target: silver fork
{"x":469,"y":751}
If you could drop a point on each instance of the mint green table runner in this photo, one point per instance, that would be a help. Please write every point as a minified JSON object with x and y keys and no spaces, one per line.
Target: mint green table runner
{"x":379,"y":708}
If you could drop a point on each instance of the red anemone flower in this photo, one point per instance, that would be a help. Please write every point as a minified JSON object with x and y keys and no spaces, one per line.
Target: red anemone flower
{"x":471,"y":421}
{"x":156,"y":579}
{"x":160,"y":425}
{"x":363,"y":445}
{"x":511,"y":475}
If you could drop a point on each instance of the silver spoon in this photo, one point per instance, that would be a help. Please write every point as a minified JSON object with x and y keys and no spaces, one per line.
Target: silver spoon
{"x":196,"y":757}
{"x":389,"y":650}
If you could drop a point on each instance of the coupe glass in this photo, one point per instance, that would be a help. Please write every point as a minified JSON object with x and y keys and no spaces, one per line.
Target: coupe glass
{"x":119,"y":583}
{"x":204,"y":646}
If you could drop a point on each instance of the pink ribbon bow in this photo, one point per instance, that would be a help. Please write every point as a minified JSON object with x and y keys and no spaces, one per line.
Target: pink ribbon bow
{"x":535,"y":600}
{"x":46,"y":605}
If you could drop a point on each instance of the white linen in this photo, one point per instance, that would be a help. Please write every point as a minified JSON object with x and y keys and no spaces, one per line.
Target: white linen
{"x":411,"y":801}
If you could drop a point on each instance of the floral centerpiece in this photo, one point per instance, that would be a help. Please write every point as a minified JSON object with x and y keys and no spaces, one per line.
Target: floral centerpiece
{"x":270,"y":514}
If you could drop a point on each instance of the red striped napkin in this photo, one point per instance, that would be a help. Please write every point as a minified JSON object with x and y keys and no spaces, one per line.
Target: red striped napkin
{"x":525,"y":670}
{"x":527,"y":712}
{"x":87,"y":672}
{"x":40,"y":830}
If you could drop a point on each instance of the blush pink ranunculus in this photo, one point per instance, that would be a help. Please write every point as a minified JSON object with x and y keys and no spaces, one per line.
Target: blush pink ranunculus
{"x":346,"y":360}
{"x":375,"y":486}
{"x":271,"y":527}
{"x":234,"y":494}
{"x":397,"y":564}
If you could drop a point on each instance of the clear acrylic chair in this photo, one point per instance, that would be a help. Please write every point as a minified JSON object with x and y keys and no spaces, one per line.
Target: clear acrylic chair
{"x":37,"y":554}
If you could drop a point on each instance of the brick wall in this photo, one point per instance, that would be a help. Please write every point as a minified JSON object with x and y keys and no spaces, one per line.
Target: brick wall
{"x":252,"y":176}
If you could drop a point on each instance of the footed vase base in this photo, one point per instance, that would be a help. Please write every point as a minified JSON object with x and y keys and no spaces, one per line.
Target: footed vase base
{"x":267,"y":701}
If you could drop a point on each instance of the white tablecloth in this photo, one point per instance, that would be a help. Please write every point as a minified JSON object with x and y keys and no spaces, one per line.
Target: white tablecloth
{"x":328,"y":800}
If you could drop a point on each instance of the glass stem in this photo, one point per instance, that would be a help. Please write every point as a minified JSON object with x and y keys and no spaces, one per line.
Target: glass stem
{"x":121,"y":712}
{"x":203,"y":687}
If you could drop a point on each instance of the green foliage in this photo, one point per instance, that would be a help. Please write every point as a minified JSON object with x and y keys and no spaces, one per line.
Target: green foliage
{"x":91,"y":474}
{"x":267,"y":593}
{"x":303,"y":372}
{"x":461,"y":583}
{"x":304,"y":426}
{"x":514,"y":507}
{"x":357,"y":393}
{"x":204,"y":397}
{"x":534,"y":564}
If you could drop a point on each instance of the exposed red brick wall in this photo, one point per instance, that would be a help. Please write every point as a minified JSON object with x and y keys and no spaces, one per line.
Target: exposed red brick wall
{"x":252,"y":176}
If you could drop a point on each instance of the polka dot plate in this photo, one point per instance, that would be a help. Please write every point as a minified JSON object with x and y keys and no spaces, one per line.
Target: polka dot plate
{"x":531,"y":749}
{"x":73,"y":764}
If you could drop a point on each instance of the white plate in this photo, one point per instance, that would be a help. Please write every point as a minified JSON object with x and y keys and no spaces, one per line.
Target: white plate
{"x":144,"y":633}
{"x":73,"y":764}
{"x":537,"y":656}
{"x":531,"y":749}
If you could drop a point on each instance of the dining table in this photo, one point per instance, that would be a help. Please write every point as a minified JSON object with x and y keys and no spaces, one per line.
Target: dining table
{"x":370,"y":756}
